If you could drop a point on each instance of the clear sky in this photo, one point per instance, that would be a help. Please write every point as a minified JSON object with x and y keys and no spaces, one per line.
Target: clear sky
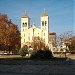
{"x":60,"y":12}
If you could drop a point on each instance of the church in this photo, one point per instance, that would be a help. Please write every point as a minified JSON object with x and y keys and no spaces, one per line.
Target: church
{"x":28,"y":32}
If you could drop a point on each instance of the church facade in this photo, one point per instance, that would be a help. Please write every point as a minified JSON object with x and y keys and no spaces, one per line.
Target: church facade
{"x":29,"y":32}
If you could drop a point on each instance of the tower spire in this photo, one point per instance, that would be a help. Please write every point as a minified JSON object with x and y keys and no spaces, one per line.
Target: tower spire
{"x":25,"y":15}
{"x":44,"y":13}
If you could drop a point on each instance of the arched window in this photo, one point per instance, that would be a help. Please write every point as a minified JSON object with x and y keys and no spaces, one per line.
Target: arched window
{"x":25,"y":24}
{"x":24,"y":40}
{"x":45,"y":23}
{"x":28,"y":38}
{"x":24,"y":35}
{"x":42,"y":23}
{"x":23,"y":29}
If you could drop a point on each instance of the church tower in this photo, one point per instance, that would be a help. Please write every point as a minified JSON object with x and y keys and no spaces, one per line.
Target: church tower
{"x":25,"y":25}
{"x":45,"y":27}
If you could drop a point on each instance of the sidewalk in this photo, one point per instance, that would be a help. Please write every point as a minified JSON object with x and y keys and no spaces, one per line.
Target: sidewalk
{"x":72,"y":56}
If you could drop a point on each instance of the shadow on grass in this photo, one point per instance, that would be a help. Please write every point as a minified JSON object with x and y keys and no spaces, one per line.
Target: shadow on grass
{"x":29,"y":61}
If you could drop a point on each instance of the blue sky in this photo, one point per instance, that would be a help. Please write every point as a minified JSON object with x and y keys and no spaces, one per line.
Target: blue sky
{"x":60,"y":12}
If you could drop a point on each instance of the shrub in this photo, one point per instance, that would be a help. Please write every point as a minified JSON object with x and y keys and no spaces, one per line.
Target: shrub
{"x":23,"y":51}
{"x":48,"y":54}
{"x":42,"y":54}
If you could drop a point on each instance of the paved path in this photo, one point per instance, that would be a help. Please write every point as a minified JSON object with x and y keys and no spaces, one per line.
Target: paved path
{"x":38,"y":68}
{"x":30,"y":67}
{"x":72,"y":56}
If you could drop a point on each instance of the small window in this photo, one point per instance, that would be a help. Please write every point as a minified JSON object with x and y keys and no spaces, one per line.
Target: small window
{"x":23,"y":29}
{"x":25,"y":24}
{"x":42,"y":23}
{"x":24,"y":35}
{"x":24,"y":40}
{"x":45,"y":23}
{"x":28,"y":38}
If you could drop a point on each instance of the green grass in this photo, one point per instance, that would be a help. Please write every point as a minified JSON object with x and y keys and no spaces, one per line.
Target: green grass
{"x":19,"y":58}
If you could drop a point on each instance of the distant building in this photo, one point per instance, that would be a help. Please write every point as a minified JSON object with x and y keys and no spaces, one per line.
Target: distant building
{"x":52,"y":38}
{"x":28,"y":32}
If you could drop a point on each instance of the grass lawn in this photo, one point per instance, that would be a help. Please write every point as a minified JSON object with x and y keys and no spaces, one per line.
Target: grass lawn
{"x":18,"y":57}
